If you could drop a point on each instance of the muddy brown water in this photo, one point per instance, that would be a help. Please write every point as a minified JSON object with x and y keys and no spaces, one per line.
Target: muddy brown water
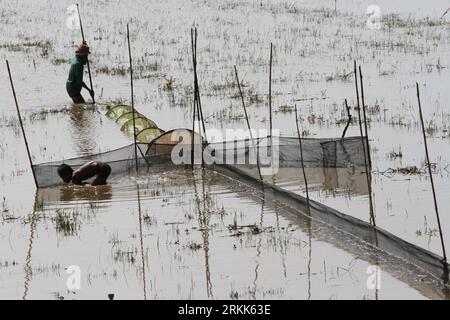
{"x":314,"y":48}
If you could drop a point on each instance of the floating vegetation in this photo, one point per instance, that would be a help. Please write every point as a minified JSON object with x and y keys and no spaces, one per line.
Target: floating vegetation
{"x":43,"y":45}
{"x":395,"y":154}
{"x":67,"y":223}
{"x":59,"y":61}
{"x":194,"y":246}
{"x":412,"y":170}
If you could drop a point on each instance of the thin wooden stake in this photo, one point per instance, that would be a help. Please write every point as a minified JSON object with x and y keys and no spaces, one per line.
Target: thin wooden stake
{"x":349,"y":118}
{"x":84,"y":41}
{"x":132,"y":100}
{"x":21,"y":124}
{"x":301,"y":155}
{"x":248,"y":123}
{"x":270,"y":92}
{"x":198,"y":112}
{"x":365,"y":118}
{"x":196,"y":86}
{"x":368,"y":178}
{"x":431,"y":175}
{"x":358,"y":107}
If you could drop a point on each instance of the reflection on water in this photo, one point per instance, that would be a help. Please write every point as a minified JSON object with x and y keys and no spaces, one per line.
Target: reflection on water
{"x":71,"y":193}
{"x":84,"y":125}
{"x":351,"y":180}
{"x":141,"y":241}
{"x":201,"y":242}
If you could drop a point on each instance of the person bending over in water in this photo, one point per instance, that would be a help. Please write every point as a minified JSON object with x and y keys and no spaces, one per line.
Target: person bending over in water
{"x":100,"y":170}
{"x":75,"y":81}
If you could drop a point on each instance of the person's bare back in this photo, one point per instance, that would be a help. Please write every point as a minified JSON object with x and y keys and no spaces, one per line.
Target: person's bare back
{"x":100,"y":170}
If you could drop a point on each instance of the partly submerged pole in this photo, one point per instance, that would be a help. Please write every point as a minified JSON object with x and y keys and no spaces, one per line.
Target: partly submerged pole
{"x":197,"y":87}
{"x":301,"y":155}
{"x":248,"y":123}
{"x":365,"y":152}
{"x":198,"y":111}
{"x":21,"y":124}
{"x":358,"y":107}
{"x":132,"y":100}
{"x":270,"y":94}
{"x":431,"y":175}
{"x":364,"y":117}
{"x":87,"y":59}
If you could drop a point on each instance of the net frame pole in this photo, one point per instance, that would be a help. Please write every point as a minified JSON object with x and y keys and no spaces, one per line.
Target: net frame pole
{"x":199,"y":101}
{"x":198,"y":111}
{"x":364,"y":117}
{"x":132,"y":99}
{"x":21,"y":124}
{"x":369,"y":160}
{"x":87,"y":59}
{"x":248,"y":124}
{"x":270,"y":90}
{"x":436,"y":209}
{"x":301,"y":155}
{"x":369,"y":182}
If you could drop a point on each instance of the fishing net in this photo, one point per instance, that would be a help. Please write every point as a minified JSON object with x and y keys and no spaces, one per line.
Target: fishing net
{"x":147,"y":135}
{"x":122,"y":160}
{"x":272,"y":159}
{"x":278,"y":158}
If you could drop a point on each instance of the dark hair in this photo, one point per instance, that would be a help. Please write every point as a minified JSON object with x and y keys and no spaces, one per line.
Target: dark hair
{"x":65,"y":172}
{"x":104,"y":171}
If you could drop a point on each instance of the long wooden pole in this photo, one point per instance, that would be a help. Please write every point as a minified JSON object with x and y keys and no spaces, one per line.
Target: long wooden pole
{"x":87,"y":59}
{"x":132,"y":100}
{"x":270,"y":92}
{"x":199,"y":101}
{"x":301,"y":155}
{"x":431,"y":175}
{"x":364,"y":117}
{"x":363,"y":141}
{"x":358,"y":107}
{"x":21,"y":124}
{"x":248,"y":123}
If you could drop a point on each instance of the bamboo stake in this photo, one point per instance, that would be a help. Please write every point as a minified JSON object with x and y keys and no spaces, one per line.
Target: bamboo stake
{"x":21,"y":124}
{"x":270,"y":92}
{"x":355,"y":70}
{"x":368,"y":178}
{"x":368,"y":160}
{"x":301,"y":155}
{"x":349,"y":119}
{"x":132,"y":100}
{"x":248,"y":123}
{"x":197,"y":88}
{"x":193,"y":136}
{"x":365,"y":118}
{"x":431,"y":175}
{"x":197,"y":113}
{"x":84,"y":41}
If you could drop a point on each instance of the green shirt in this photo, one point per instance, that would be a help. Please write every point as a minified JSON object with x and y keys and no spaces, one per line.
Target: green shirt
{"x":75,"y":81}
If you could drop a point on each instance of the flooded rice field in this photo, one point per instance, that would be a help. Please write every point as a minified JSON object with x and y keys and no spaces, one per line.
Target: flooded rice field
{"x":174,"y":233}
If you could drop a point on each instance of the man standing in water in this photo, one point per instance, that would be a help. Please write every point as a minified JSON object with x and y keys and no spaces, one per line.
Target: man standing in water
{"x":75,"y":81}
